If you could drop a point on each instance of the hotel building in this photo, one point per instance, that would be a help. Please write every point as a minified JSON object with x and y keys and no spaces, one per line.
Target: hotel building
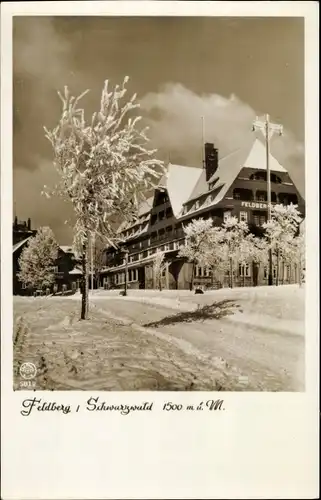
{"x":234,"y":185}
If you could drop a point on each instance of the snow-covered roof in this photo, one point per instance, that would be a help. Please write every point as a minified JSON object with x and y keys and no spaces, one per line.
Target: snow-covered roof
{"x":180,"y":182}
{"x":20,"y":244}
{"x":66,"y":248}
{"x":251,"y":155}
{"x":75,"y":271}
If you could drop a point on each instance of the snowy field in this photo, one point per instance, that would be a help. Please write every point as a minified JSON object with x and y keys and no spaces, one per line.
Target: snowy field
{"x":248,"y":339}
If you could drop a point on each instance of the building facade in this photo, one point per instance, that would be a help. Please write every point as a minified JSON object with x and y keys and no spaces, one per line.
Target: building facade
{"x":235,"y":185}
{"x":67,"y":268}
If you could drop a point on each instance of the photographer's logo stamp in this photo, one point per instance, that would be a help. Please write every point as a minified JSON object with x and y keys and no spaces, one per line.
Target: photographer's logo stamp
{"x":28,"y":371}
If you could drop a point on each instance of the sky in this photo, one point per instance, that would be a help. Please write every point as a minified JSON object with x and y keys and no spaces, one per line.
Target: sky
{"x":227,"y":70}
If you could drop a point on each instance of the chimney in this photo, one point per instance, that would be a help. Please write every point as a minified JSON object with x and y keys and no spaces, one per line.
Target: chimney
{"x":211,"y":160}
{"x":29,"y":224}
{"x":15,"y":225}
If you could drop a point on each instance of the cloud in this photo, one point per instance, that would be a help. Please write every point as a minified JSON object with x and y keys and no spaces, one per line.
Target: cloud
{"x":175,"y":115}
{"x":29,"y":202}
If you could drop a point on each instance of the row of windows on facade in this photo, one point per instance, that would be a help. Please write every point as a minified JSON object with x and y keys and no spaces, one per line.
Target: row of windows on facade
{"x":161,"y":215}
{"x":173,"y":245}
{"x":170,"y":231}
{"x":244,"y":270}
{"x":132,"y":275}
{"x":246,"y":195}
{"x":135,"y":229}
{"x":258,"y":218}
{"x":259,"y":176}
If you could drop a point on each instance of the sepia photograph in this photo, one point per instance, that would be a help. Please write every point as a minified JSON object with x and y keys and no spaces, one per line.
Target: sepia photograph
{"x":158,"y":216}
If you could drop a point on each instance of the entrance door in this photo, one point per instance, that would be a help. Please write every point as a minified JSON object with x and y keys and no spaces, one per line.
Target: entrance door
{"x":141,"y":277}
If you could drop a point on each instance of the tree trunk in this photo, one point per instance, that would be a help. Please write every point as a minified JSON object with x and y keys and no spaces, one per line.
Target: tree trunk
{"x":277,"y":267}
{"x":192,"y":278}
{"x":212,"y":276}
{"x":85,"y":278}
{"x":231,"y":272}
{"x":160,"y":283}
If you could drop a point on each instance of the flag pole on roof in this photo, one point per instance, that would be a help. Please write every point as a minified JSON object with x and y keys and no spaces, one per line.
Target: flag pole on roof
{"x":203,"y":141}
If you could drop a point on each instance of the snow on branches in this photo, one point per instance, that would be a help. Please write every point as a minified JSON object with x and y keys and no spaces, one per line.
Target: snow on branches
{"x":37,"y":260}
{"x":105,"y":166}
{"x":158,"y":267}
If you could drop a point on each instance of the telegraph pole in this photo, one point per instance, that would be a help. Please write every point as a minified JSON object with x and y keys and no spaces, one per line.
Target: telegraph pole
{"x":203,"y":143}
{"x":268,"y":130}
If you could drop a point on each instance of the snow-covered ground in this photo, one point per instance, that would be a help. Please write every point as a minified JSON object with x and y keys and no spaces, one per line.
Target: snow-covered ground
{"x":240,"y":339}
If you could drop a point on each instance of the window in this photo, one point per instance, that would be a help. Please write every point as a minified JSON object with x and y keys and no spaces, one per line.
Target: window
{"x":169,"y":229}
{"x":133,"y":275}
{"x":262,"y":220}
{"x":261,"y":196}
{"x":243,"y":194}
{"x":243,"y":216}
{"x":56,"y":269}
{"x":23,"y":286}
{"x":244,"y":270}
{"x":266,"y":273}
{"x":287,"y":199}
{"x":258,"y":176}
{"x":161,"y":215}
{"x":259,"y":218}
{"x":153,"y":219}
{"x":227,"y":214}
{"x":169,"y":212}
{"x":201,"y":272}
{"x":197,"y":204}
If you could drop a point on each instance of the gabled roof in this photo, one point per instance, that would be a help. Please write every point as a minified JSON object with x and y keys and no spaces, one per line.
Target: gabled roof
{"x":66,"y":248}
{"x":200,"y":187}
{"x":20,"y":244}
{"x":257,"y":159}
{"x":251,"y":155}
{"x":180,"y":184}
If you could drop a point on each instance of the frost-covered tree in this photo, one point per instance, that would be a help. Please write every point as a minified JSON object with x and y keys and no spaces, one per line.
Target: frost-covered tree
{"x":159,"y":266}
{"x":104,"y":167}
{"x":280,"y":232}
{"x":214,"y":252}
{"x":234,"y":233}
{"x":37,"y":260}
{"x":196,"y":243}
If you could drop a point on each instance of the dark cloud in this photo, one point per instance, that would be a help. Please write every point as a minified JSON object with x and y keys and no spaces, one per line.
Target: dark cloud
{"x":226,"y":69}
